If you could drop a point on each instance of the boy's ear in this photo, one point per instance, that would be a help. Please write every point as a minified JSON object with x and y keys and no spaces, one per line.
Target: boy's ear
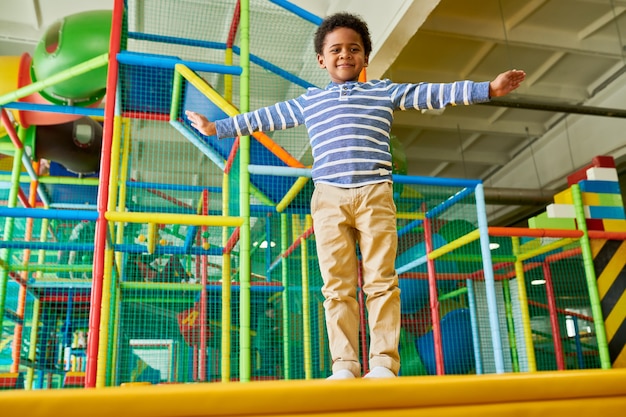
{"x":320,"y":61}
{"x":367,"y":61}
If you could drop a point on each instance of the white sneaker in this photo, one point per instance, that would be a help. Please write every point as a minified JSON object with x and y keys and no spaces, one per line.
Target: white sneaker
{"x":342,"y":374}
{"x":380,"y":372}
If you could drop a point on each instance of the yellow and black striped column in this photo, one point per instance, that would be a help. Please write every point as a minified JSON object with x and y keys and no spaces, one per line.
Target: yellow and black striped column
{"x":609,"y":259}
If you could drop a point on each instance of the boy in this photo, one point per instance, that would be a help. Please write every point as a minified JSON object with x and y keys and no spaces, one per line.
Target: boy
{"x":349,"y":123}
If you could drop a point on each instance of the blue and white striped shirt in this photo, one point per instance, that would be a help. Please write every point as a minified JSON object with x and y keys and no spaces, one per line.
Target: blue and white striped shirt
{"x":349,"y":124}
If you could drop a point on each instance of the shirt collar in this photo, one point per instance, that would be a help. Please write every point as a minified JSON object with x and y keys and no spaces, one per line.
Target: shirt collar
{"x":333,"y":85}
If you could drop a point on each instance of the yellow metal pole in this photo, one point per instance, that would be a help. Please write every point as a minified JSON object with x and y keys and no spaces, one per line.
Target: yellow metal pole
{"x":104,"y":320}
{"x":291,"y":194}
{"x":170,"y":218}
{"x":205,"y":89}
{"x":523,"y":300}
{"x":455,"y":244}
{"x":107,"y":279}
{"x":306,"y":304}
{"x":547,"y":248}
{"x":226,"y":288}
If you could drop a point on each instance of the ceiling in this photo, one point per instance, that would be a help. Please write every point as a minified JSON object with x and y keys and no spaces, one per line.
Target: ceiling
{"x":524,"y":145}
{"x":572,"y":52}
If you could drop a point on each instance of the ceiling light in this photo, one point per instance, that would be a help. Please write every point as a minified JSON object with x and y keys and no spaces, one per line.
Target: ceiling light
{"x":537,"y":282}
{"x":493,"y":246}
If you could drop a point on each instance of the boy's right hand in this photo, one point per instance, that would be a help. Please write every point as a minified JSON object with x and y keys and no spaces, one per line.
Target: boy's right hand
{"x":201,"y":123}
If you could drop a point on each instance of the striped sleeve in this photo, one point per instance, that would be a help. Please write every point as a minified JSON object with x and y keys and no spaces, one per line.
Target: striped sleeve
{"x":280,"y":116}
{"x":425,"y":96}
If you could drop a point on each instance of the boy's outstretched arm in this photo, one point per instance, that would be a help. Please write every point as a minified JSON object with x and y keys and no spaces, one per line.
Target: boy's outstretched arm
{"x":201,"y":123}
{"x":506,"y":82}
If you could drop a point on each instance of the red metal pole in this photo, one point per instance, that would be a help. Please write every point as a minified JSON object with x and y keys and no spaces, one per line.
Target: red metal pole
{"x":232,"y":241}
{"x":234,"y":25}
{"x":562,"y":311}
{"x":296,"y":244}
{"x":524,"y":232}
{"x":434,"y":299}
{"x":103,"y":198}
{"x":554,"y":318}
{"x":21,"y":305}
{"x":231,"y":157}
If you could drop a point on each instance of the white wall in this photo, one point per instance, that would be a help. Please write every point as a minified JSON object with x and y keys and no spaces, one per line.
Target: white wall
{"x":391,"y":22}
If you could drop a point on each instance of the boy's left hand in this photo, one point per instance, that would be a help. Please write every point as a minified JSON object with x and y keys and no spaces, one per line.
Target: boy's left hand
{"x":506,"y":82}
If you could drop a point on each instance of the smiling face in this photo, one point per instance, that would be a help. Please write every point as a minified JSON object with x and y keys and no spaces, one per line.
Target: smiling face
{"x":343,"y":55}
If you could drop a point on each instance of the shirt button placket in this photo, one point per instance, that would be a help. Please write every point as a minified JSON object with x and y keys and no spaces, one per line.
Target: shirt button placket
{"x":344,"y":92}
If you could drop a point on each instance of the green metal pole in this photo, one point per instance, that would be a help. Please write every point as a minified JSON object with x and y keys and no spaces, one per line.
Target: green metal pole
{"x":5,"y":254}
{"x":59,"y":77}
{"x":51,"y":268}
{"x":167,"y":287}
{"x":34,"y":330}
{"x":32,"y":349}
{"x":510,"y":325}
{"x":114,"y":334}
{"x":25,"y":178}
{"x":590,"y":275}
{"x":306,"y":308}
{"x":453,"y":294}
{"x":244,"y":204}
{"x":176,"y":95}
{"x":284,"y":246}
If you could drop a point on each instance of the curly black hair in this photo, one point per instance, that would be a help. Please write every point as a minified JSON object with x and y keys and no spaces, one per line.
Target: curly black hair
{"x":343,"y":20}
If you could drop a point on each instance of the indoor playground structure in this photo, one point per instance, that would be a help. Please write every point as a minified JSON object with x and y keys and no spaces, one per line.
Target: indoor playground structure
{"x":137,"y":252}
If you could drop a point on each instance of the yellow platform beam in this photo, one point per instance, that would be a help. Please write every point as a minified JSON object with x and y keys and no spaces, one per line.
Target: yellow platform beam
{"x":554,"y":394}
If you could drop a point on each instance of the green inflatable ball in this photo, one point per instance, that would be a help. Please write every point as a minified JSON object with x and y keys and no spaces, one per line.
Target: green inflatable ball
{"x":69,"y":42}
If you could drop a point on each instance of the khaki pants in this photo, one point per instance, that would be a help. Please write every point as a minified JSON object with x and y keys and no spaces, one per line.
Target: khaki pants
{"x":341,"y":218}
